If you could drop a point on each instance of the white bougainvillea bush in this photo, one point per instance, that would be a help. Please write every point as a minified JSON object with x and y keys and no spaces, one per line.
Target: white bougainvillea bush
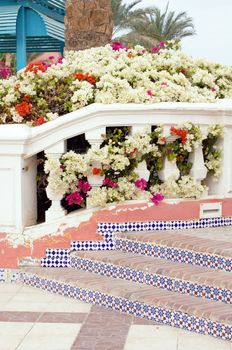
{"x":44,"y":91}
{"x":116,"y":162}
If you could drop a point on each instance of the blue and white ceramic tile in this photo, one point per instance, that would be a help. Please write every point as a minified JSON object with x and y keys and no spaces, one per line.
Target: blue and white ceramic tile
{"x":133,"y":307}
{"x":174,"y":254}
{"x":156,"y":280}
{"x":107,"y":228}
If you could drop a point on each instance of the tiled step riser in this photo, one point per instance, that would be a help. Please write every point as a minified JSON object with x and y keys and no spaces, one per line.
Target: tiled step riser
{"x":174,"y":254}
{"x":55,"y":262}
{"x":107,"y":244}
{"x":157,"y":314}
{"x":61,"y":257}
{"x":172,"y":284}
{"x":107,"y":228}
{"x":57,"y":253}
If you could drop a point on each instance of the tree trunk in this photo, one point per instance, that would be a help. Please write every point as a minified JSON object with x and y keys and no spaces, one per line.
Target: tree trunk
{"x":88,"y":23}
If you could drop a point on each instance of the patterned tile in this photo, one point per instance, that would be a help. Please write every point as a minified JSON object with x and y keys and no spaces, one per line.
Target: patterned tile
{"x":174,"y":254}
{"x":156,"y":280}
{"x":106,"y":229}
{"x":132,"y":307}
{"x":107,"y":244}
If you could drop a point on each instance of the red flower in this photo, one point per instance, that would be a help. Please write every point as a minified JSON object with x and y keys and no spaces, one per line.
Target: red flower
{"x":181,"y":133}
{"x":35,"y":67}
{"x":23,"y":108}
{"x":96,"y":171}
{"x":26,"y":98}
{"x":184,"y":71}
{"x":85,"y":77}
{"x":41,"y":120}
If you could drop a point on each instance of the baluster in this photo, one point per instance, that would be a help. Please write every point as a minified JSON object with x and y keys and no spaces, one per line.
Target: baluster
{"x":170,"y":168}
{"x":56,"y":210}
{"x":198,"y":170}
{"x":95,"y":139}
{"x":141,"y":169}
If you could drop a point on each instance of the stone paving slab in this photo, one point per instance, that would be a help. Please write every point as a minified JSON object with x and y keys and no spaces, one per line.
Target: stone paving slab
{"x":110,"y":330}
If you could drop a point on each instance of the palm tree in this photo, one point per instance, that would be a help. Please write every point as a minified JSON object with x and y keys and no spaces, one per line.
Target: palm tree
{"x":125,"y":15}
{"x":155,"y":26}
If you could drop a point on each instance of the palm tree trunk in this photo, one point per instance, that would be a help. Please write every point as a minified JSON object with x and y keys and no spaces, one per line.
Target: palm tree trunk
{"x":88,"y":23}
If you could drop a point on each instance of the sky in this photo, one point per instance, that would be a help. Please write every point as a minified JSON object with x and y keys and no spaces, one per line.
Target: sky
{"x":213,"y":23}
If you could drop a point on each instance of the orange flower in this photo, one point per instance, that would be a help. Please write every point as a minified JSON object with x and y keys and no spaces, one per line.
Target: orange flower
{"x":41,"y":120}
{"x":23,"y":108}
{"x":90,"y":78}
{"x":181,"y":133}
{"x":96,"y":171}
{"x":35,"y":67}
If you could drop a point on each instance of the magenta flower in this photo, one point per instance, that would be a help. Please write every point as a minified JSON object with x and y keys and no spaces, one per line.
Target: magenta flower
{"x":84,"y":186}
{"x":155,"y":49}
{"x":116,"y":46}
{"x":109,"y":183}
{"x":74,"y":198}
{"x":141,"y":183}
{"x":157,"y":198}
{"x":149,"y":92}
{"x":162,"y":44}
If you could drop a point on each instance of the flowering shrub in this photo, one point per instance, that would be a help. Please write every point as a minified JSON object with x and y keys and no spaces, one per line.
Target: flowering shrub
{"x":117,"y":161}
{"x":5,"y":71}
{"x":112,"y":74}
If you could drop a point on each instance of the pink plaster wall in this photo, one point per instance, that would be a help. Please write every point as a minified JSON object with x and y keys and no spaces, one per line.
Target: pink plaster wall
{"x":87,"y":230}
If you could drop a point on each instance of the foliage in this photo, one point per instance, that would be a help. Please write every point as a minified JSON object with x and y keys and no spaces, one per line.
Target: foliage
{"x":151,"y":26}
{"x":44,"y":91}
{"x":117,"y":162}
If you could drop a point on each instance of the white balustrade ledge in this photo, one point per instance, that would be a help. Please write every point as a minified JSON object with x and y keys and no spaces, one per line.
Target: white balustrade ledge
{"x":19,"y":145}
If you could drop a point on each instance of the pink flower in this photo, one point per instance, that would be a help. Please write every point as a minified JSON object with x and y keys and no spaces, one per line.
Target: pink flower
{"x":74,"y":198}
{"x":109,"y":183}
{"x":155,"y":49}
{"x":157,"y":198}
{"x":141,"y":183}
{"x":149,"y":92}
{"x":213,"y":89}
{"x":84,"y":186}
{"x":162,"y":44}
{"x":116,"y":46}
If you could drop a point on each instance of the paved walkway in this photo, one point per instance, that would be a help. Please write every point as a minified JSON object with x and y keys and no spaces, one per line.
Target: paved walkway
{"x":31,"y":319}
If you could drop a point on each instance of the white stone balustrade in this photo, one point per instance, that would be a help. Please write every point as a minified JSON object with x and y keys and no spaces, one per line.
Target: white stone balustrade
{"x":19,"y":145}
{"x":95,"y":138}
{"x":56,"y":210}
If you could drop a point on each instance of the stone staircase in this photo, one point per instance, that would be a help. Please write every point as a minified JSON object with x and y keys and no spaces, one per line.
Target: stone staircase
{"x":182,"y":278}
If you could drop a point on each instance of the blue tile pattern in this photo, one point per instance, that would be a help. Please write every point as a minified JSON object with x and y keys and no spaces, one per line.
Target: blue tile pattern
{"x":107,"y":244}
{"x":174,"y":254}
{"x":107,"y":228}
{"x":9,"y":275}
{"x":132,"y":307}
{"x":156,"y":280}
{"x":61,"y":257}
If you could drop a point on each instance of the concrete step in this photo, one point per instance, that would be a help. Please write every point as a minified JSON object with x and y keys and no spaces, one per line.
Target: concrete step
{"x":186,"y":246}
{"x":182,"y":278}
{"x":167,"y":307}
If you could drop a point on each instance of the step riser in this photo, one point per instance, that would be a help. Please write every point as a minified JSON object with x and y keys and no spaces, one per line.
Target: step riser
{"x":157,"y":314}
{"x":107,"y":228}
{"x":55,"y":262}
{"x":107,"y":244}
{"x":174,"y":254}
{"x":172,"y":284}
